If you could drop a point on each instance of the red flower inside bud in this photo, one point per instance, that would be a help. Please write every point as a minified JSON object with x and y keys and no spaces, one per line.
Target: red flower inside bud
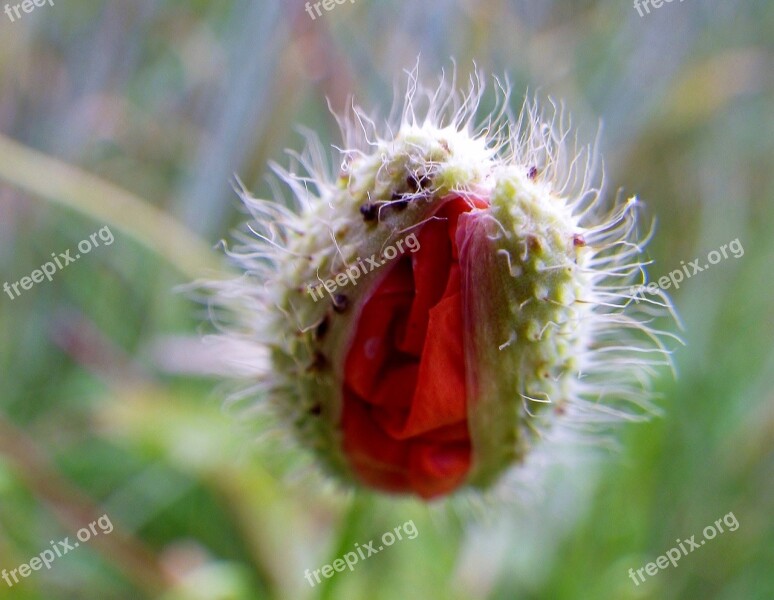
{"x":404,"y":417}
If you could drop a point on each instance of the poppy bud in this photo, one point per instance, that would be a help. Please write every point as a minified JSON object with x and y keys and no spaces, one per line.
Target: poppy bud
{"x":451,"y":295}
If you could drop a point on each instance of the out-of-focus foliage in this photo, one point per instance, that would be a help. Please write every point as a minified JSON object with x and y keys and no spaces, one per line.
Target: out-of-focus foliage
{"x":104,"y":407}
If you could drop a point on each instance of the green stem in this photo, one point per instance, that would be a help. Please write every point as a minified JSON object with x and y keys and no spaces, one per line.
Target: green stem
{"x":360,"y":506}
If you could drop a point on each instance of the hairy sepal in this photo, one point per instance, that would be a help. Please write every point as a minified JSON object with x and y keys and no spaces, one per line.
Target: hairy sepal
{"x":521,"y":312}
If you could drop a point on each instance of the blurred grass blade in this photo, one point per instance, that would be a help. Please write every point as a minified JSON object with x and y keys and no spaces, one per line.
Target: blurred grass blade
{"x":41,"y":175}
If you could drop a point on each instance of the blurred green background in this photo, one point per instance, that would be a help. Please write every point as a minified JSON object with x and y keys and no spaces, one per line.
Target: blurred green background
{"x":137,"y":114}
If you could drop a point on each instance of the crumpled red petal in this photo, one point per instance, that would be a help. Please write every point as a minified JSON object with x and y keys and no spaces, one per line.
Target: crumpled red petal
{"x":404,"y":416}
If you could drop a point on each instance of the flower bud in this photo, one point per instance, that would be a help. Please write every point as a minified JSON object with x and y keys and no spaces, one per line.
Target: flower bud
{"x":445,"y":300}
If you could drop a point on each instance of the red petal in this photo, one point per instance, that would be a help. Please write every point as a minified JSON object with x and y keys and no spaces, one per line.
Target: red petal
{"x":373,"y":344}
{"x":404,"y":419}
